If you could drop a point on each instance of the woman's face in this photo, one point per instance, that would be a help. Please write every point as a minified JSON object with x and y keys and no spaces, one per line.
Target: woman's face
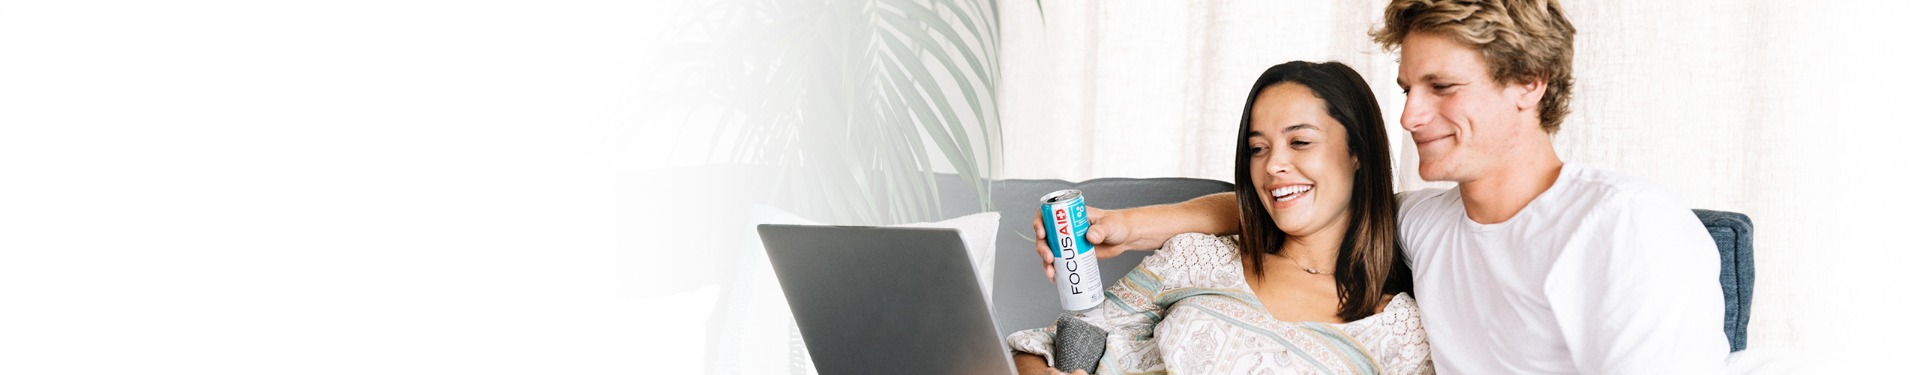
{"x":1300,"y":162}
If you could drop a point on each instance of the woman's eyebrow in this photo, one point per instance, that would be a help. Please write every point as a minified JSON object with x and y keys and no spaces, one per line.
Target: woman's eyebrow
{"x":1296,"y":127}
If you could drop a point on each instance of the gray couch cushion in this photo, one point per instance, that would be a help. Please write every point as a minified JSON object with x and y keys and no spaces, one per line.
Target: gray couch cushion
{"x":1733,"y":233}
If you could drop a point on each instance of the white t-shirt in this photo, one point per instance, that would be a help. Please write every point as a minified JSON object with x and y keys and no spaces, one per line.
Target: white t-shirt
{"x":1600,"y":274}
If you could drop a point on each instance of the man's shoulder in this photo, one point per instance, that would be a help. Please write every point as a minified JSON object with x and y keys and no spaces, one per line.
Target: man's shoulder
{"x":1603,"y":191}
{"x":1423,"y":201}
{"x":1422,"y":194}
{"x":1607,"y":201}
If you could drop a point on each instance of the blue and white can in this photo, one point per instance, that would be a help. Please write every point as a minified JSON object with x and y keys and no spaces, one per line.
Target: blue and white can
{"x":1076,"y":269}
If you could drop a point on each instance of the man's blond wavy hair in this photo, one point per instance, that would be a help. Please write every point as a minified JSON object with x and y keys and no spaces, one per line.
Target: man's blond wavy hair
{"x":1521,"y":40}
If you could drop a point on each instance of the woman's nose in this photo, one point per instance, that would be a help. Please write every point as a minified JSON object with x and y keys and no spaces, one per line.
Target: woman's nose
{"x":1279,"y":168}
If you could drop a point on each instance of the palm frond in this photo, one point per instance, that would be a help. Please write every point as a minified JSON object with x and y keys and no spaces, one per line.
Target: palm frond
{"x":861,"y":100}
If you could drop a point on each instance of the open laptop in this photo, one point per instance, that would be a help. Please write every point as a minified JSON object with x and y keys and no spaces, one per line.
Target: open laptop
{"x":872,"y":300}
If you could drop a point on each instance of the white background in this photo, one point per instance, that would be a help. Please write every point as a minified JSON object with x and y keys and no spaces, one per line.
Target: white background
{"x":251,"y":187}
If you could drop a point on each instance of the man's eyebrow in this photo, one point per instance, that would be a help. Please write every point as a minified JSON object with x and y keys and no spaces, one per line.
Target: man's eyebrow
{"x":1429,"y":77}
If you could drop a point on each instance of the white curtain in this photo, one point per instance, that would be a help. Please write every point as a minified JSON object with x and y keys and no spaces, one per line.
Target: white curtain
{"x":1786,"y":111}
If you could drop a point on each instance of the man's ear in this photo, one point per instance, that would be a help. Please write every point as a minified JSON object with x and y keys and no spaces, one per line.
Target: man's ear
{"x":1530,"y":94}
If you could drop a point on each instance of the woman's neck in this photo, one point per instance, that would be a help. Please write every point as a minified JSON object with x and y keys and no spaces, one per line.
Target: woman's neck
{"x":1318,"y":250}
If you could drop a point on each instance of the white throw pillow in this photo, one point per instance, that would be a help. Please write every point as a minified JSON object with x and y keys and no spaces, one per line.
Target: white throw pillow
{"x":756,"y":333}
{"x":978,"y":231}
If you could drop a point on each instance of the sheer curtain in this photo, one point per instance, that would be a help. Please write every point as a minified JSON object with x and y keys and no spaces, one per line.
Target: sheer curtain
{"x":1786,"y":111}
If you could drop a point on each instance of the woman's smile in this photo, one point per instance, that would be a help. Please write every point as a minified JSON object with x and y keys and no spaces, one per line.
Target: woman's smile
{"x":1288,"y":195}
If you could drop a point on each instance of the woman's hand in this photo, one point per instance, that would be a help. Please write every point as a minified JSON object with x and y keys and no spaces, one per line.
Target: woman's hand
{"x":1113,"y":232}
{"x":1106,"y":230}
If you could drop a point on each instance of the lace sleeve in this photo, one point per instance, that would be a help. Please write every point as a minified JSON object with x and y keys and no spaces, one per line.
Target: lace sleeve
{"x":1194,"y":260}
{"x":1038,"y":341}
{"x":1403,"y":343}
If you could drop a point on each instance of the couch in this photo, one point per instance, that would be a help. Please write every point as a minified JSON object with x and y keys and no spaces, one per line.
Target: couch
{"x":1024,"y":298}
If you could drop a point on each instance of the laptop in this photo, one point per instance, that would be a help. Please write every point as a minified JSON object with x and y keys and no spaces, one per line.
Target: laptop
{"x":872,"y":300}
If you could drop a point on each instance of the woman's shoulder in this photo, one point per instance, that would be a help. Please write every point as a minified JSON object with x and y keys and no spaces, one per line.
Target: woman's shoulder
{"x":1195,"y":260}
{"x":1397,"y":309}
{"x":1403,"y":302}
{"x":1201,"y":242}
{"x":1188,"y":250}
{"x":1401,"y":316}
{"x":1396,"y":336}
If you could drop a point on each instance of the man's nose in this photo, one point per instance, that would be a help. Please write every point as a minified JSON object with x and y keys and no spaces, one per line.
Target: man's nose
{"x":1417,"y":113}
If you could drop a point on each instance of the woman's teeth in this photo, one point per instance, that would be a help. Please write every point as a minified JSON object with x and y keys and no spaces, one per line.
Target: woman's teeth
{"x":1291,"y":192}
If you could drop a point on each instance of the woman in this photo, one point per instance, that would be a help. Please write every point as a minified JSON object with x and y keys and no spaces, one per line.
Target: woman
{"x":1314,"y":283}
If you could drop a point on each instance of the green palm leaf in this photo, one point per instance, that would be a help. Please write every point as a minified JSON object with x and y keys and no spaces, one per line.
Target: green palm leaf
{"x":859,"y":100}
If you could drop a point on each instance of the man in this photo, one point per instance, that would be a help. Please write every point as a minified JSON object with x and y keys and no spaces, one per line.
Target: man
{"x":1529,"y":265}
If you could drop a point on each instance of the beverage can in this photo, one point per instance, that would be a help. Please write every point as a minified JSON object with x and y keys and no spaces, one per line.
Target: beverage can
{"x":1076,"y":269}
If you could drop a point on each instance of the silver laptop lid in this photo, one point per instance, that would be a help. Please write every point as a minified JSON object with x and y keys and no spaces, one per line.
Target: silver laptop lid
{"x":872,"y":300}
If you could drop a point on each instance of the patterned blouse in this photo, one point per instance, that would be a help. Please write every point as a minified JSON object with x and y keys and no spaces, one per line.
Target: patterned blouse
{"x":1188,"y":309}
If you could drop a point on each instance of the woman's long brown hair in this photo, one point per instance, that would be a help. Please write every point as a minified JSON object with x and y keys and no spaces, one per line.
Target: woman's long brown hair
{"x":1370,"y":264}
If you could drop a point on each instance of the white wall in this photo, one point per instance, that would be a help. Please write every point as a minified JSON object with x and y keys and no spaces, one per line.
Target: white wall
{"x":248,"y":187}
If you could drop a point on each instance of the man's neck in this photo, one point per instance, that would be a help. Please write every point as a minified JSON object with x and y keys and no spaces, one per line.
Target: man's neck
{"x":1501,"y":193}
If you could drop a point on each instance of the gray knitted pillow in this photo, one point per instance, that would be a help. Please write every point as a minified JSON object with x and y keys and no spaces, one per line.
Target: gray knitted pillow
{"x":1077,"y":344}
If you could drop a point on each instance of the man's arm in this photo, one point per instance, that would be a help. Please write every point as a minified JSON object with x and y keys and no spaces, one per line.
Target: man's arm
{"x":1113,"y":232}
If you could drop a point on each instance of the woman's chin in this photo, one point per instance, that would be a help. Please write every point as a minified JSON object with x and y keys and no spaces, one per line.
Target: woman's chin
{"x":1288,"y":225}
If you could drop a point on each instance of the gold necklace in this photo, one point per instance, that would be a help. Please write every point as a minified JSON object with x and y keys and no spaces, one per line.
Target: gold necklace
{"x":1296,"y":263}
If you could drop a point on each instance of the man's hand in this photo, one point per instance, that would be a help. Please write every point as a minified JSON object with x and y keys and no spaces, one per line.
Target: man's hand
{"x":1106,"y":230}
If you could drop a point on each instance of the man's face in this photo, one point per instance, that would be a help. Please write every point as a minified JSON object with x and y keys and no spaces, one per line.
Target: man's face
{"x":1463,"y":121}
